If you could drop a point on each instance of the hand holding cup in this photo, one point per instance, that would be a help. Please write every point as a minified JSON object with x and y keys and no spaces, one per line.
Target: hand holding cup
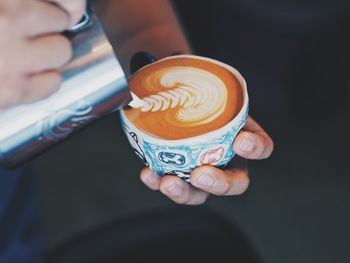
{"x":252,"y":143}
{"x":188,"y":137}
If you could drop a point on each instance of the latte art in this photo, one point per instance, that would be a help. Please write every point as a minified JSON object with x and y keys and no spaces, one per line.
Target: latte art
{"x":199,"y":95}
{"x":184,"y":97}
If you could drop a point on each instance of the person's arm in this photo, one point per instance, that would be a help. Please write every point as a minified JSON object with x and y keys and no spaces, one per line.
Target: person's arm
{"x":147,"y":25}
{"x":152,"y":26}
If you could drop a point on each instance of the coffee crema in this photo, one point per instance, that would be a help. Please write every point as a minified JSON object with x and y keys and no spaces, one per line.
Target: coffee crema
{"x":184,"y":97}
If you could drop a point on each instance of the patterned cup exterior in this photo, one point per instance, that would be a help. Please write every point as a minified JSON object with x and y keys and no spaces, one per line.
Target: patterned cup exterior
{"x":180,"y":157}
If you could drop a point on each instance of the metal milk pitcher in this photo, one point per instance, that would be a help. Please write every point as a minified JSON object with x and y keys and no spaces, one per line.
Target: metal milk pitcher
{"x":94,"y":84}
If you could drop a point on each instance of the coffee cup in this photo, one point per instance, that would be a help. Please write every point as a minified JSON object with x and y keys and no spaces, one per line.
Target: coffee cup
{"x":176,"y":153}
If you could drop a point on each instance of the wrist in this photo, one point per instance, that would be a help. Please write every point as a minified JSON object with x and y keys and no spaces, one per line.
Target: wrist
{"x":160,"y":41}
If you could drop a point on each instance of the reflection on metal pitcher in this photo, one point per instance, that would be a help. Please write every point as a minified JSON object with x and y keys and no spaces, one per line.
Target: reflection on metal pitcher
{"x":60,"y":124}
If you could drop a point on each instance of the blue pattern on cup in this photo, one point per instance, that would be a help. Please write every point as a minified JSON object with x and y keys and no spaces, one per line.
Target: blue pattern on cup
{"x":180,"y":160}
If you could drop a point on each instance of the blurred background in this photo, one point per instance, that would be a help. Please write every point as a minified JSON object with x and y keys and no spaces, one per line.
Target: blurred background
{"x":295,"y":57}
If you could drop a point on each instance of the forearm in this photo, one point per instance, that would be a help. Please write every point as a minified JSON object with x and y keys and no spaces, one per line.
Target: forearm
{"x":147,"y":25}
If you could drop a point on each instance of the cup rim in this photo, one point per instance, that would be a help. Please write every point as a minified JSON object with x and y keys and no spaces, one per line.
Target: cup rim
{"x":241,"y":114}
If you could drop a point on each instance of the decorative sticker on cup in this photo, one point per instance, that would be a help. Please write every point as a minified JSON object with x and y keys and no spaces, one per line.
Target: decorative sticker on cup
{"x":212,"y":156}
{"x":172,"y":158}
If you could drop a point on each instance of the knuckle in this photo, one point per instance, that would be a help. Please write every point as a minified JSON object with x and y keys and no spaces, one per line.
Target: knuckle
{"x":63,"y":48}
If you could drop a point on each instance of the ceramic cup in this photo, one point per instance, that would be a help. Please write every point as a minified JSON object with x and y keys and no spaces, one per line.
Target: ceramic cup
{"x":180,"y":157}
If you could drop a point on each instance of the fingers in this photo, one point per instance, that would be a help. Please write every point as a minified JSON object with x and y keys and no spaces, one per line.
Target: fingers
{"x":75,"y":9}
{"x":218,"y":182}
{"x":37,"y":17}
{"x":40,"y":17}
{"x":33,"y":51}
{"x":253,"y":143}
{"x":180,"y":192}
{"x":150,"y":179}
{"x":174,"y":188}
{"x":30,"y":89}
{"x":205,"y":180}
{"x":46,"y":53}
{"x":41,"y":86}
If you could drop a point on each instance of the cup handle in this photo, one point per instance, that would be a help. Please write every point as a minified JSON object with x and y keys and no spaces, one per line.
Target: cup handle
{"x":141,"y":59}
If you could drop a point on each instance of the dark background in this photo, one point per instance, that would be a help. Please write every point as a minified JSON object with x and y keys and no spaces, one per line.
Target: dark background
{"x":295,"y":57}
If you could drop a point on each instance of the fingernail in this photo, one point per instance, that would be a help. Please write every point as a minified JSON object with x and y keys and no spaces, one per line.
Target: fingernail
{"x":151,"y":178}
{"x":174,"y":189}
{"x":247,"y":144}
{"x":206,"y":180}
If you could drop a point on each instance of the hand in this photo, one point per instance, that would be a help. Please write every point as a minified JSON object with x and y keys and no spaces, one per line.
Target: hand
{"x":32,"y":50}
{"x":253,"y":143}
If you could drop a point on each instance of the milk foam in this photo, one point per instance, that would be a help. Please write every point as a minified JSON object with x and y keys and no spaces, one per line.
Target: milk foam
{"x":199,"y":95}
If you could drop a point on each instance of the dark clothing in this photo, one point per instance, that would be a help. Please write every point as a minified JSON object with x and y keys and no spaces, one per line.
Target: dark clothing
{"x":21,"y":240}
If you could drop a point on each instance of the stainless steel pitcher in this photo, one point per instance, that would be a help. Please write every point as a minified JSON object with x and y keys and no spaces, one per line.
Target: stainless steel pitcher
{"x":93,"y":85}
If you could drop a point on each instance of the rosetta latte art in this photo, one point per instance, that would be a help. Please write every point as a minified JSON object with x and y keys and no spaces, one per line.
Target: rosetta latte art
{"x":183,"y":97}
{"x":199,"y":95}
